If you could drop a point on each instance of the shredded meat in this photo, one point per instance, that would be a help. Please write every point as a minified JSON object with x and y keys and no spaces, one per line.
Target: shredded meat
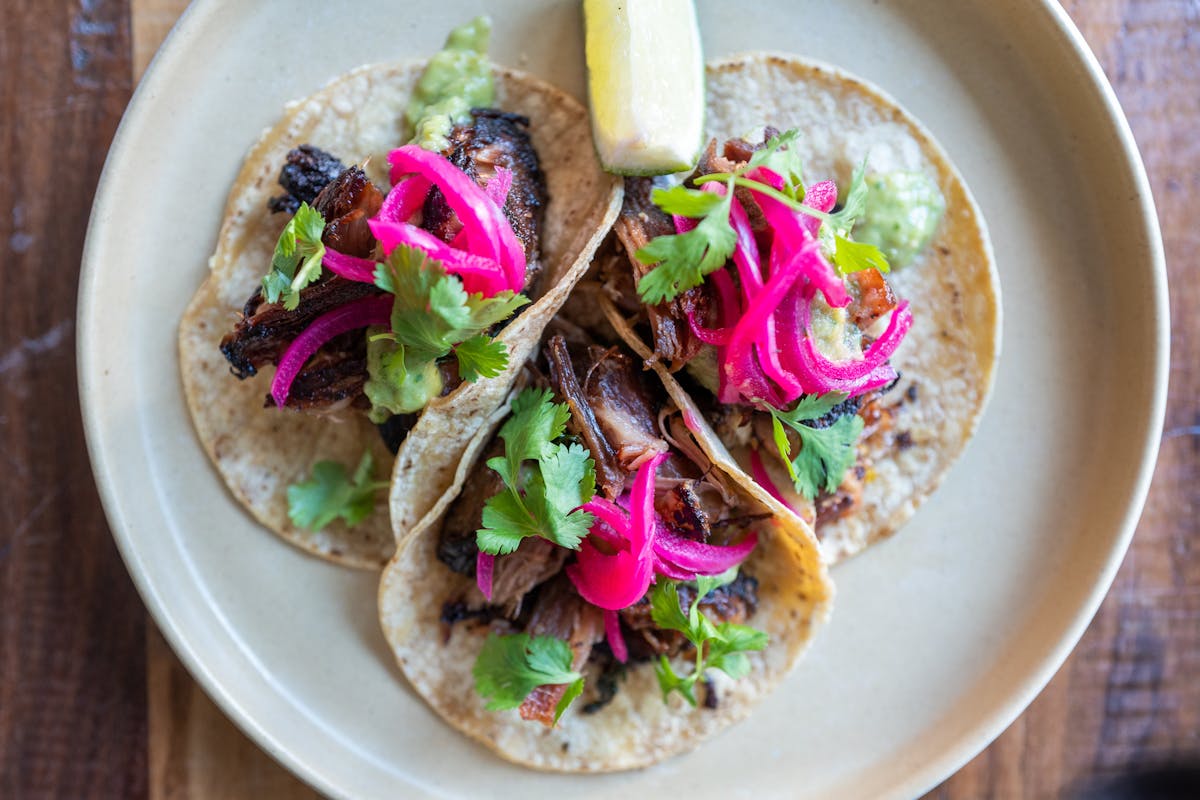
{"x":682,"y":507}
{"x":616,"y":390}
{"x":609,"y":473}
{"x":456,"y":543}
{"x":346,"y":203}
{"x":266,"y":329}
{"x":536,"y":561}
{"x":304,"y":174}
{"x":639,"y":222}
{"x":496,"y":139}
{"x":560,"y":612}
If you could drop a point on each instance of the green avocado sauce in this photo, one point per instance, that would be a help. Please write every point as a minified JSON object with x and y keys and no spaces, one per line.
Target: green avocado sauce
{"x":903,"y":212}
{"x":456,"y":80}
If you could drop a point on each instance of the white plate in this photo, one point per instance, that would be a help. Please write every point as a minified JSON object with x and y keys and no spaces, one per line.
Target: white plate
{"x":941,"y":636}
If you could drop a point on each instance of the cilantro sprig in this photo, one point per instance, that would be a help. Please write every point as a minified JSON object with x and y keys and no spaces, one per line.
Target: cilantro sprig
{"x":333,"y":493}
{"x":683,"y":260}
{"x":542,"y":498}
{"x":722,"y":647}
{"x":509,"y":667}
{"x":825,"y":453}
{"x":299,"y":245}
{"x":433,"y":316}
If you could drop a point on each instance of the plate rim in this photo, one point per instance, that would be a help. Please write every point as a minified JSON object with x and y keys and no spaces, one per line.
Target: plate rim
{"x":915,"y":782}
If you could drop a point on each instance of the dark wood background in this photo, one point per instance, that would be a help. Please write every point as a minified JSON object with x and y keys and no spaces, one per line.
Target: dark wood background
{"x":93,"y":705}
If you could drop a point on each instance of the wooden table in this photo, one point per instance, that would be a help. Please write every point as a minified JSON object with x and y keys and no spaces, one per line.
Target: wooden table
{"x":93,"y":704}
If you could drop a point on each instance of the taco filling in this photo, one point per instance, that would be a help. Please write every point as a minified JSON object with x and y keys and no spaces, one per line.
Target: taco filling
{"x":768,"y":298}
{"x":600,"y":538}
{"x":378,"y":300}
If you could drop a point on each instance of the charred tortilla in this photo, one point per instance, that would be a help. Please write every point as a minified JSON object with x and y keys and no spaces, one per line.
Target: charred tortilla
{"x":948,"y":359}
{"x":258,"y":451}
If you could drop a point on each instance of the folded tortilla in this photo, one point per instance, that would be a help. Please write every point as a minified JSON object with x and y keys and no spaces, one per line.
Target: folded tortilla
{"x":636,"y":728}
{"x":260,"y":451}
{"x":948,"y":359}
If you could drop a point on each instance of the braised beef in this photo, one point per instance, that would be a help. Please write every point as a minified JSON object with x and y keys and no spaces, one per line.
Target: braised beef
{"x":639,"y":222}
{"x":304,"y":174}
{"x":609,"y":475}
{"x":496,"y":139}
{"x":560,"y":612}
{"x":266,"y":329}
{"x":615,"y":388}
{"x":346,"y":203}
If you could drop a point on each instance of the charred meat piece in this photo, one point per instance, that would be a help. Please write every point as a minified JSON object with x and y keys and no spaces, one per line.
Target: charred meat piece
{"x":496,"y":139}
{"x":560,"y":612}
{"x":609,"y":474}
{"x":682,"y":507}
{"x":346,"y":203}
{"x":639,"y":222}
{"x":734,"y":602}
{"x":266,"y":329}
{"x":536,"y":561}
{"x":333,"y":378}
{"x":456,"y":543}
{"x":616,"y":390}
{"x":395,"y":430}
{"x":303,"y":176}
{"x":873,"y":299}
{"x":832,"y":506}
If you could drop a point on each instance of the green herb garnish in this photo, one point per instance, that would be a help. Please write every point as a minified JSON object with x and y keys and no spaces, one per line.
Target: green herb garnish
{"x":722,"y":647}
{"x":299,"y":245}
{"x":332,"y":493}
{"x":683,"y":260}
{"x":509,"y":667}
{"x":543,"y":498}
{"x":432,"y":317}
{"x":825,"y":453}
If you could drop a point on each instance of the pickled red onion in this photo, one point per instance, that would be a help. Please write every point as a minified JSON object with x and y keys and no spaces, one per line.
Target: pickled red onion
{"x":356,"y":314}
{"x":488,"y":231}
{"x":478,"y":273}
{"x":485,"y":564}
{"x":612,"y":632}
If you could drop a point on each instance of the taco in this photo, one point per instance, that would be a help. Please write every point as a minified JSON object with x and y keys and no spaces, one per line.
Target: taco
{"x":381,"y":304}
{"x":821,"y":292}
{"x":594,"y":593}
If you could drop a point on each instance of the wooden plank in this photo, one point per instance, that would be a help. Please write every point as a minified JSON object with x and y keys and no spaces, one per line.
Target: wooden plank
{"x":72,"y":716}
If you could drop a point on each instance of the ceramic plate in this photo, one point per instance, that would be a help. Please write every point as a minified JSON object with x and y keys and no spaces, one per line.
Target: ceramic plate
{"x":941,"y":635}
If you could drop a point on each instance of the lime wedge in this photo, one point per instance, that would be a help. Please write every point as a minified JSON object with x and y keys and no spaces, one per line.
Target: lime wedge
{"x":646,"y":84}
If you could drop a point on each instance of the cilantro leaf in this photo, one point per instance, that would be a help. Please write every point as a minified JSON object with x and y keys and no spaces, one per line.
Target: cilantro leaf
{"x":684,"y":259}
{"x":721,"y":647}
{"x":299,"y":245}
{"x":509,"y":667}
{"x":573,"y":691}
{"x":685,"y":202}
{"x":536,"y":421}
{"x":432,"y":318}
{"x":780,"y":155}
{"x":332,"y":493}
{"x":543,"y":501}
{"x":825,"y":453}
{"x":855,"y":202}
{"x":479,"y":357}
{"x":850,"y":256}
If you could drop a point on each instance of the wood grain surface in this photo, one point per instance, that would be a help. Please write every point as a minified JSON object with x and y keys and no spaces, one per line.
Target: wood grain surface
{"x":93,"y":703}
